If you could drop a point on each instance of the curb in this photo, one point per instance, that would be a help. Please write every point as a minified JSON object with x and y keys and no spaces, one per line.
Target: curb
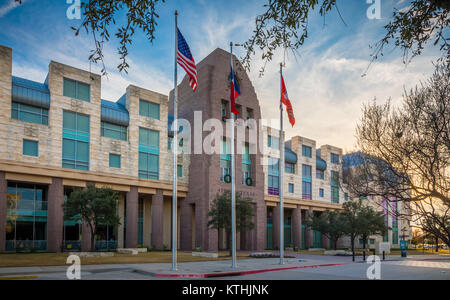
{"x":243,"y":273}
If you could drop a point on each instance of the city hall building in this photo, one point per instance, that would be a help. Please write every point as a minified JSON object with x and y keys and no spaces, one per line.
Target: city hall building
{"x":59,"y":135}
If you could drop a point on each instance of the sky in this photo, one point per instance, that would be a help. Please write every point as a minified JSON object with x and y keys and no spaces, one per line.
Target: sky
{"x":323,"y":78}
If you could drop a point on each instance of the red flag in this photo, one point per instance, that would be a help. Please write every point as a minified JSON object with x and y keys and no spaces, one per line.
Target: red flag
{"x":285,"y":100}
{"x":234,"y":93}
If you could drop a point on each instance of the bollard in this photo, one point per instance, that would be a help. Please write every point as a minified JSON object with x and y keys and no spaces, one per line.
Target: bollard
{"x":353,"y":255}
{"x":374,"y":252}
{"x":364,"y":255}
{"x":384,"y":255}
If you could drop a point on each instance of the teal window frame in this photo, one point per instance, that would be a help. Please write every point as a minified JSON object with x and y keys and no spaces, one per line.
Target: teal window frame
{"x":76,"y":137}
{"x":30,"y":148}
{"x":289,"y":168}
{"x":30,"y":114}
{"x":335,"y":158}
{"x":115,"y":161}
{"x":306,"y":151}
{"x":225,"y":160}
{"x":320,"y":174}
{"x":114,"y":131}
{"x":180,"y":171}
{"x":76,"y":92}
{"x":149,"y":109}
{"x":291,"y":188}
{"x":246,"y":164}
{"x":149,"y":141}
{"x":273,"y":142}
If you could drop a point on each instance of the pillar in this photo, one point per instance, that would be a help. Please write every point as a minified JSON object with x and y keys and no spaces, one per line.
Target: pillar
{"x":276,"y":227}
{"x":185,"y":226}
{"x":297,"y":227}
{"x":3,"y":195}
{"x":131,"y":238}
{"x":157,"y":220}
{"x":325,"y":241}
{"x":260,"y":231}
{"x":309,"y":233}
{"x":86,"y":238}
{"x":55,"y":215}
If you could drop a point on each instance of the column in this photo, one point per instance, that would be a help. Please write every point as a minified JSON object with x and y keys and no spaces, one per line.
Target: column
{"x":309,"y":233}
{"x":157,"y":220}
{"x":185,"y":225}
{"x":260,"y":235}
{"x":55,"y":221}
{"x":297,"y":227}
{"x":276,"y":227}
{"x":86,"y":238}
{"x":131,"y":238}
{"x":3,"y":195}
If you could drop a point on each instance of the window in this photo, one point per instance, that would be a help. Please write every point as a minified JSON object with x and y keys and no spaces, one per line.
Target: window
{"x":273,"y":142}
{"x":149,"y":109}
{"x":321,"y":193}
{"x":246,"y":164}
{"x":114,"y":161}
{"x":26,"y":220}
{"x":114,"y":131}
{"x":291,"y":188}
{"x":320,"y":174}
{"x":180,"y":171}
{"x":148,"y":154}
{"x":225,"y":160}
{"x":273,"y":176}
{"x":30,"y":148}
{"x":307,"y":182}
{"x":249,"y":114}
{"x":28,"y":113}
{"x":289,"y":168}
{"x":334,"y":158}
{"x":346,"y":196}
{"x":76,"y":90}
{"x":224,"y":109}
{"x":306,"y":190}
{"x":334,"y":187}
{"x":75,"y":146}
{"x":307,"y":151}
{"x":307,"y":171}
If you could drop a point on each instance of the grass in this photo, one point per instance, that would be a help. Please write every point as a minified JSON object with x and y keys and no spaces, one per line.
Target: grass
{"x":59,"y":259}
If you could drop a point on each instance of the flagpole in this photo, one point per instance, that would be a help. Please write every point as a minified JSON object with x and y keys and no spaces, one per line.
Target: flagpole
{"x":233,"y":171}
{"x":175,"y":158}
{"x":281,"y":166}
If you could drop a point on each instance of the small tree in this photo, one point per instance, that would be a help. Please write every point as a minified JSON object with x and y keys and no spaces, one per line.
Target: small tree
{"x":330,"y":223}
{"x":220,"y":214}
{"x":93,"y":206}
{"x":371,"y":223}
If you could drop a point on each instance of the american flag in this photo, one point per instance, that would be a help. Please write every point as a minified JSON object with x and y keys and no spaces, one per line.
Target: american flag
{"x":186,"y":61}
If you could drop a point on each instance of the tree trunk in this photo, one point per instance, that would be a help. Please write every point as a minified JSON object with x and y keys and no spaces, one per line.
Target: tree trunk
{"x":229,"y":243}
{"x":335,"y":240}
{"x":364,"y":243}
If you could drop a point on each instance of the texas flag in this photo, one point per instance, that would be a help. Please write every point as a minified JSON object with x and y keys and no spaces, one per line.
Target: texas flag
{"x":285,"y":100}
{"x":235,"y":92}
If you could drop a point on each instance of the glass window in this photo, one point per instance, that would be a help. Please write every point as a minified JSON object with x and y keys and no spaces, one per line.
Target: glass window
{"x":180,"y":171}
{"x":114,"y":161}
{"x":26,"y":218}
{"x":30,"y":148}
{"x":321,"y":193}
{"x":225,"y":160}
{"x":76,"y":90}
{"x":307,"y":171}
{"x":148,"y":154}
{"x":29,"y":113}
{"x":289,"y":168}
{"x":291,"y":188}
{"x":75,"y":148}
{"x":149,"y":109}
{"x":246,"y":164}
{"x":334,"y":158}
{"x":334,"y":194}
{"x":320,"y":174}
{"x":114,"y":131}
{"x":346,"y":196}
{"x":273,"y":176}
{"x":307,"y":151}
{"x":273,"y":142}
{"x":306,"y":190}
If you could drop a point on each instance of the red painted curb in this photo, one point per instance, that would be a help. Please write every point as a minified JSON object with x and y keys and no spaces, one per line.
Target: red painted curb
{"x":242,"y":273}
